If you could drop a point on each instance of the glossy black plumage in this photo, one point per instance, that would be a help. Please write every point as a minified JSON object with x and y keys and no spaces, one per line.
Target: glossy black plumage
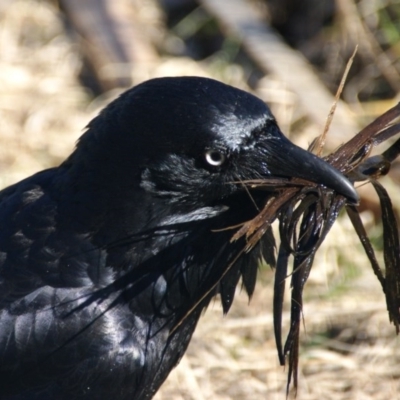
{"x":103,"y":257}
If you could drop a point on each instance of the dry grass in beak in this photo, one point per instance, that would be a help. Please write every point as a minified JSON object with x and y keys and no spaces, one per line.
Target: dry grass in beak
{"x":306,"y":212}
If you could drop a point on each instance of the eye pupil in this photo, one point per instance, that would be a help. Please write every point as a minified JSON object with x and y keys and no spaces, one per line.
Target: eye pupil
{"x":215,"y":157}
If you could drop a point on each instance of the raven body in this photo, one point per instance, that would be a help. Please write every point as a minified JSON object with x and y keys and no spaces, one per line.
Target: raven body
{"x":107,"y":261}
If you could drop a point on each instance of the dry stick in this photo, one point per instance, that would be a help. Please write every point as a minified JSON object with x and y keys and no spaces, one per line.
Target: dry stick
{"x":340,"y":156}
{"x":320,"y":142}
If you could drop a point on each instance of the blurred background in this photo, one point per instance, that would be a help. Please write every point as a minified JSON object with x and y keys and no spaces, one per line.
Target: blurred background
{"x":61,"y":62}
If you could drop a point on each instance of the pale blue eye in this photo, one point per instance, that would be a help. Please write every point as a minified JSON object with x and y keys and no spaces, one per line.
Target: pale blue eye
{"x":214,"y":157}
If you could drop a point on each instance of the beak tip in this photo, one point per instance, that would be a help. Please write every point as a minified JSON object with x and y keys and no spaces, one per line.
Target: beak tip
{"x":335,"y":180}
{"x":351,"y":194}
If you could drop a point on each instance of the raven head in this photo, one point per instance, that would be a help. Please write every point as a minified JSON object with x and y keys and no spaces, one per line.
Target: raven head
{"x":191,"y":140}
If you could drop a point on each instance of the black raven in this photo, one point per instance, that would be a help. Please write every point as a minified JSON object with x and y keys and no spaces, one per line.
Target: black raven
{"x":107,"y":261}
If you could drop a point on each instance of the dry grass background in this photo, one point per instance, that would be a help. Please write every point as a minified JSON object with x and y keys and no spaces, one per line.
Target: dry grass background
{"x":349,"y":350}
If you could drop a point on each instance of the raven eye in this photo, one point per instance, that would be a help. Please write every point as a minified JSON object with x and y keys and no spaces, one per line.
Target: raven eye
{"x":214,"y":157}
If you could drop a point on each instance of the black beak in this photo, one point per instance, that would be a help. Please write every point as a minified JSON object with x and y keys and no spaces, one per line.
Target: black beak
{"x":288,"y":160}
